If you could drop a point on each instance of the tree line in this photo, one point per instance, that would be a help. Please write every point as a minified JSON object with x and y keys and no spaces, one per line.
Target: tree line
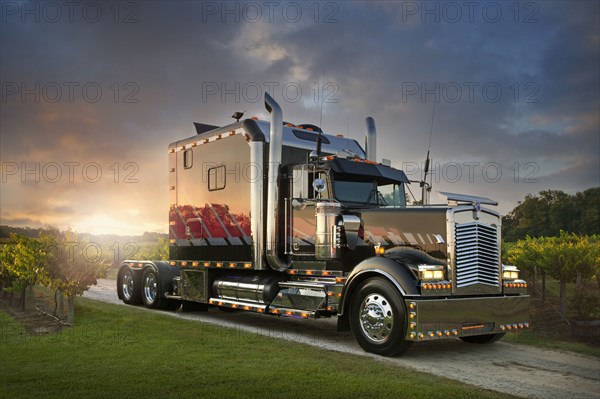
{"x":557,"y":234}
{"x":550,"y":212}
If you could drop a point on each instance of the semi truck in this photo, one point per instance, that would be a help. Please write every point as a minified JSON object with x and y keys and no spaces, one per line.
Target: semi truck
{"x":285,"y":220}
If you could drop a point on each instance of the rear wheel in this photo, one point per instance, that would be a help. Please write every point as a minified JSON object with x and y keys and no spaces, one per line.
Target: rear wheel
{"x":128,"y":285}
{"x":483,"y":339}
{"x":378,"y":318}
{"x":151,"y":291}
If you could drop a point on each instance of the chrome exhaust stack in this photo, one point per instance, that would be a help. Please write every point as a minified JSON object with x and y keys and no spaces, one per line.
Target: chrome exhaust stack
{"x":371,"y":140}
{"x":275,"y":149}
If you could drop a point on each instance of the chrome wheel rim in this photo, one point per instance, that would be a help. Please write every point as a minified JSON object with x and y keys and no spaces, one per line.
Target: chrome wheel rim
{"x":127,"y":285}
{"x":376,"y":318}
{"x":150,"y":287}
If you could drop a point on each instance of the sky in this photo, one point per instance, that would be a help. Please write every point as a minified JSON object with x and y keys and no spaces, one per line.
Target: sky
{"x":92,"y":93}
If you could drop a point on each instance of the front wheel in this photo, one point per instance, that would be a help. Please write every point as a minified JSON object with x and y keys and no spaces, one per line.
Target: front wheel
{"x":483,"y":339}
{"x":378,"y":318}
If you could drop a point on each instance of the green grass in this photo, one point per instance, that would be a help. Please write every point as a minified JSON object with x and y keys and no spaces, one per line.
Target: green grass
{"x":530,"y":338}
{"x":116,"y":351}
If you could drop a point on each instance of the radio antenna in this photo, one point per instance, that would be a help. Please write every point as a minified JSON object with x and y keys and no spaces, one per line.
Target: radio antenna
{"x":321,"y":97}
{"x":426,"y":188}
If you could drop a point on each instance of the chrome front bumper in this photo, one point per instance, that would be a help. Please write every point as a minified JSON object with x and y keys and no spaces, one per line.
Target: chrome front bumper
{"x":438,"y":318}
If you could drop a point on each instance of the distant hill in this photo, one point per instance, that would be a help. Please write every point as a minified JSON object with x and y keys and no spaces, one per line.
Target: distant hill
{"x":5,"y":232}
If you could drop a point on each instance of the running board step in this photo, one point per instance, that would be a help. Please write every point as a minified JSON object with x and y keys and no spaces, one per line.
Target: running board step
{"x":228,"y":303}
{"x":310,"y":285}
{"x":292,"y":312}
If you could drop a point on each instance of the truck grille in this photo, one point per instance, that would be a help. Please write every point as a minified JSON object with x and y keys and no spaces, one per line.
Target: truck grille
{"x":476,"y":254}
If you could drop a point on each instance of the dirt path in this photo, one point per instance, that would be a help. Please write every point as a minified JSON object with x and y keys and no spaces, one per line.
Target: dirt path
{"x":515,"y":369}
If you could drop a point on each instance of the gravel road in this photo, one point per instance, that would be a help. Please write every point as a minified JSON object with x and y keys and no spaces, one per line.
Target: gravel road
{"x":515,"y":369}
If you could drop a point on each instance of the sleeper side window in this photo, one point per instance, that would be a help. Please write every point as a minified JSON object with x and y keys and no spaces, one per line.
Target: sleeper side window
{"x":216,"y":178}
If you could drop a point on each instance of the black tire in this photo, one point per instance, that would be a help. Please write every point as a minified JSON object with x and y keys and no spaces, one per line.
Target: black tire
{"x":378,"y":318}
{"x":128,"y":286}
{"x":151,"y":290}
{"x":483,"y":339}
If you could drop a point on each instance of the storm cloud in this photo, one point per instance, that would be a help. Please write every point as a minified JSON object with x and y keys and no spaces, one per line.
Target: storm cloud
{"x":103,"y":87}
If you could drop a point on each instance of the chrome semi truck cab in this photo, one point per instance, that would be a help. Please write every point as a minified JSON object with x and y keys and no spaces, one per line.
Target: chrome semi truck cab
{"x":286,"y":220}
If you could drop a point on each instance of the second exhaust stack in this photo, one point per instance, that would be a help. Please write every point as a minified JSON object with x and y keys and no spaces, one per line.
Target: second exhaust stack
{"x":371,"y":140}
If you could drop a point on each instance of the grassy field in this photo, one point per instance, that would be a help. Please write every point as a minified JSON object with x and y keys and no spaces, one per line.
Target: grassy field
{"x":116,"y":351}
{"x":530,"y":338}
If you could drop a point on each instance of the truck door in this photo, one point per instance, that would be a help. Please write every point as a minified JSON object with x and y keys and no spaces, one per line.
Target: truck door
{"x":302,"y":228}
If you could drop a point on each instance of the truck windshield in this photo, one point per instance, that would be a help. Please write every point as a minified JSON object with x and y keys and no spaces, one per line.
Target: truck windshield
{"x":370,"y":193}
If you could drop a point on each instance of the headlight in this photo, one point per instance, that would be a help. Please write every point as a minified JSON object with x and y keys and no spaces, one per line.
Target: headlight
{"x":510,"y":272}
{"x":431,"y":272}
